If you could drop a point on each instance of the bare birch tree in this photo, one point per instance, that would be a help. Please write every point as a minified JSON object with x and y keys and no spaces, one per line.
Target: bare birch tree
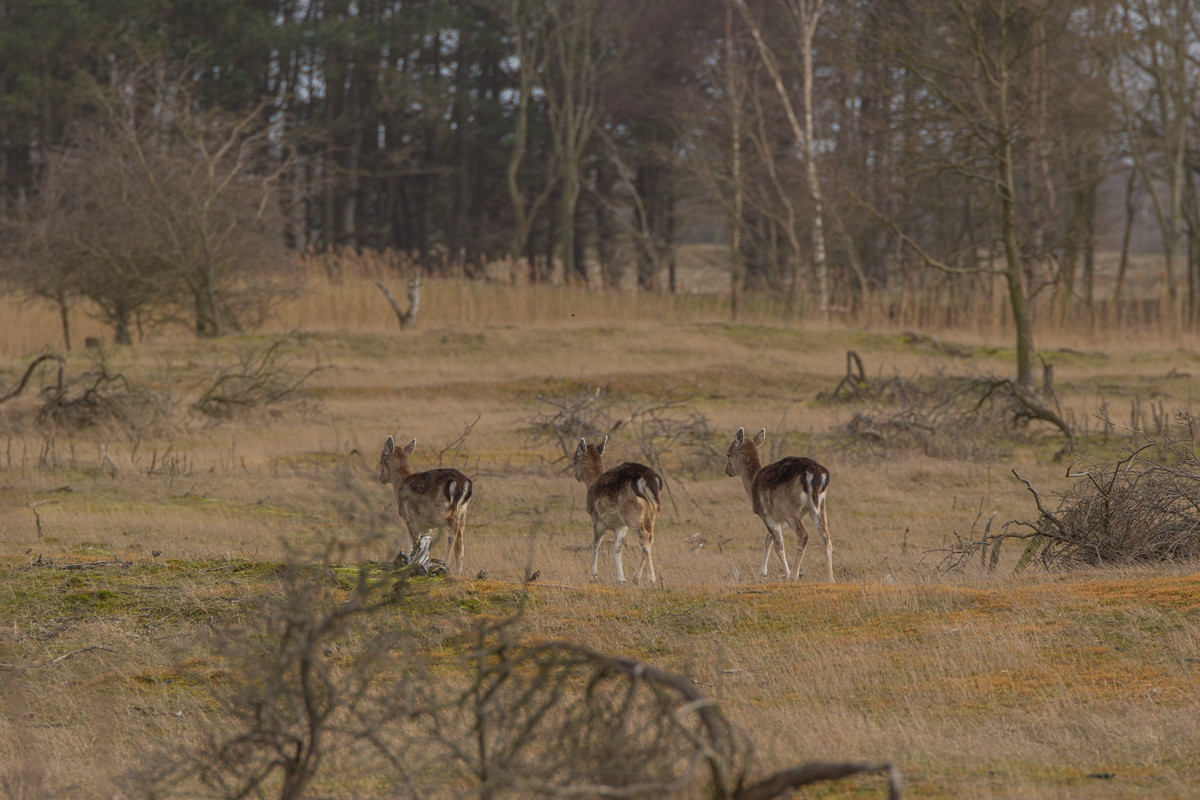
{"x":805,"y":16}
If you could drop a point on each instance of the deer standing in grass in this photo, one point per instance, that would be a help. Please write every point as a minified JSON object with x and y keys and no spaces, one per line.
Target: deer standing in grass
{"x":621,"y":499}
{"x":426,"y":500}
{"x":783,"y":493}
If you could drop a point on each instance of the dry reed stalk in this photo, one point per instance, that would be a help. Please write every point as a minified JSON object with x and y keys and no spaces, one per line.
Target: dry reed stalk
{"x":341,"y":294}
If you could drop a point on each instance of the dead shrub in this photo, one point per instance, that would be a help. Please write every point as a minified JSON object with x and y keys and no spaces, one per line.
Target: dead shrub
{"x":99,"y":397}
{"x":941,"y":417}
{"x":568,"y":415}
{"x":963,"y":417}
{"x":665,"y":430}
{"x":261,"y":378}
{"x":328,"y":678}
{"x":545,"y":720}
{"x":1138,"y":509}
{"x":103,"y":396}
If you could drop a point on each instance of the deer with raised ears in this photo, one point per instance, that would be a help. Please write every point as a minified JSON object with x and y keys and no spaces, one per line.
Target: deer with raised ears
{"x":622,"y":499}
{"x":426,"y":500}
{"x":783,"y":493}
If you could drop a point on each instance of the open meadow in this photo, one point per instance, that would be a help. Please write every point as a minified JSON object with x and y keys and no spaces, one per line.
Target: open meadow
{"x":1048,"y":683}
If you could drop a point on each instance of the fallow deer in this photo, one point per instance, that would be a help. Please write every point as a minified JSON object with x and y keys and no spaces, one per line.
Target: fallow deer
{"x":782,"y":493}
{"x":621,"y":499}
{"x":426,"y":500}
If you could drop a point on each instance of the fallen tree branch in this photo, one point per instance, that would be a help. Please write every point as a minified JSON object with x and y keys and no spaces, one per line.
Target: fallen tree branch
{"x":815,"y":771}
{"x":59,"y":660}
{"x":95,"y":564}
{"x":1030,"y":409}
{"x":65,"y":656}
{"x":29,"y":372}
{"x":261,"y":378}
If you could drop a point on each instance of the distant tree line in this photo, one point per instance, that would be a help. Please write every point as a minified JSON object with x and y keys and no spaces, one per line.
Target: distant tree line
{"x":849,"y":146}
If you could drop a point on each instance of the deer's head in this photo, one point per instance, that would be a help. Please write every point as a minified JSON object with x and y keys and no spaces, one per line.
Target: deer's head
{"x":393,"y":462}
{"x":742,"y":455}
{"x":589,"y":461}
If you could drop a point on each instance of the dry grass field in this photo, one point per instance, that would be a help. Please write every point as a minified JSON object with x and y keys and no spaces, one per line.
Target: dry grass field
{"x":1038,"y":685}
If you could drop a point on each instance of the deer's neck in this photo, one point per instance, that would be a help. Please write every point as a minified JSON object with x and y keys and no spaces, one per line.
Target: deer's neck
{"x":748,"y":467}
{"x":400,"y":471}
{"x":593,"y":468}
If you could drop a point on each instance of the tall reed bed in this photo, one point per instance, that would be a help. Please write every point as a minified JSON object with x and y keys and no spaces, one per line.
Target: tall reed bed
{"x":341,"y":292}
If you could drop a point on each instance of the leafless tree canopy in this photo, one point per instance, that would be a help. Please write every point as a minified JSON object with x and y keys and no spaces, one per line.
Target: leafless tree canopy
{"x":963,"y":147}
{"x":157,"y":212}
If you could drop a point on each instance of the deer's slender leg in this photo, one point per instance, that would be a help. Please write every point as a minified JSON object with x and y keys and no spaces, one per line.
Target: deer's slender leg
{"x":822,"y":523}
{"x":774,"y":542}
{"x":762,"y":573}
{"x":460,"y":542}
{"x":787,"y":571}
{"x":801,"y":544}
{"x":414,"y":534}
{"x":598,"y":531}
{"x":455,"y":545}
{"x":618,"y":545}
{"x":651,"y":517}
{"x":645,"y":534}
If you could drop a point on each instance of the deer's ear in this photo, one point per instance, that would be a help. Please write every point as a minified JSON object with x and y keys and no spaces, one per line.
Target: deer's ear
{"x":759,"y":438}
{"x":600,"y":448}
{"x":388,"y":446}
{"x":580,"y":450}
{"x":739,"y":438}
{"x":410,"y":447}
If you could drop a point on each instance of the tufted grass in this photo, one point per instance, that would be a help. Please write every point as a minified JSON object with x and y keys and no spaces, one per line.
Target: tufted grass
{"x":980,"y":687}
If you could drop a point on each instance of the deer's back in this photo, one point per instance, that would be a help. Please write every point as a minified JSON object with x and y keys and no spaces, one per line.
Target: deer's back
{"x":428,"y":494}
{"x":621,"y":483}
{"x":790,"y":483}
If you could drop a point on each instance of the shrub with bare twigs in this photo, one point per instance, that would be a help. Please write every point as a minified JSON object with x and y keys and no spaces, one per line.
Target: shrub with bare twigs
{"x":556,"y":719}
{"x":100,"y":396}
{"x":262,"y":377}
{"x":570,"y":414}
{"x":944,"y":416}
{"x":328,"y":673}
{"x":665,"y":430}
{"x":1140,"y":508}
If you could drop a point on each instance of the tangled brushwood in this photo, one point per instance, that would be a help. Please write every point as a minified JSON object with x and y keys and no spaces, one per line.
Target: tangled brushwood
{"x":1142,"y":508}
{"x":328,"y":676}
{"x":665,"y":429}
{"x":263,"y":377}
{"x":58,"y":397}
{"x":99,"y":396}
{"x":102,"y":396}
{"x":961,"y":417}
